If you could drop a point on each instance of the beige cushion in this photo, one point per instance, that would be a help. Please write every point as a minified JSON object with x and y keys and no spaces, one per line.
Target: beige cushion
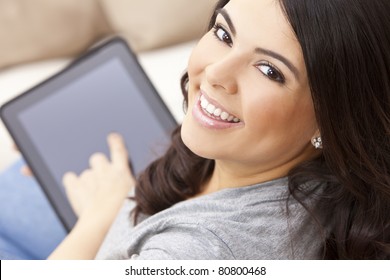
{"x":31,"y":30}
{"x":155,"y":23}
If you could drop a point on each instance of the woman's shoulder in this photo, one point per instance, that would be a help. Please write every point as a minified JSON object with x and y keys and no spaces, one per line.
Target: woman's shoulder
{"x":242,"y":223}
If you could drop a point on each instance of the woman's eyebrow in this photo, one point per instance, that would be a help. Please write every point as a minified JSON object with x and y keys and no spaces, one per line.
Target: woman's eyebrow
{"x":281,"y":58}
{"x":273,"y":54}
{"x":227,"y":18}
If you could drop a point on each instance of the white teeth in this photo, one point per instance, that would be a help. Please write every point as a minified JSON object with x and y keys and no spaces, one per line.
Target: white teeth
{"x":217,"y":112}
{"x":204,"y":103}
{"x":210,"y":108}
{"x":224,"y":116}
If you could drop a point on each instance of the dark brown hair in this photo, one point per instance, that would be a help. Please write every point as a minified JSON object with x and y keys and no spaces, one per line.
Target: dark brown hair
{"x":345,"y":47}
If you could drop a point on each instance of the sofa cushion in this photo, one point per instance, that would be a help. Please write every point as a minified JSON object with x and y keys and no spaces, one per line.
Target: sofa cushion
{"x":149,"y":24}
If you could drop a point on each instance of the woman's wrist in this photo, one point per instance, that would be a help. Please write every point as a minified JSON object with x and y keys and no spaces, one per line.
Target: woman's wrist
{"x":101,"y":212}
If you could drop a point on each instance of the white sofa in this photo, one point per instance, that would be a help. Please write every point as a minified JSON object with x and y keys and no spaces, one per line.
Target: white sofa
{"x":163,"y":66}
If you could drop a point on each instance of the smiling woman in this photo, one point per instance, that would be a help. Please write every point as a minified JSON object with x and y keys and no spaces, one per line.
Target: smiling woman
{"x":232,"y":69}
{"x":308,"y":87}
{"x":284,"y":151}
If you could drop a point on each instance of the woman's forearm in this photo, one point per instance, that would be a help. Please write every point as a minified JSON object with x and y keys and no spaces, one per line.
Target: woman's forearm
{"x":85,"y":239}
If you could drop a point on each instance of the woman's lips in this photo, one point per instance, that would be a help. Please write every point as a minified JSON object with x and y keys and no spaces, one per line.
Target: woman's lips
{"x":215,"y":111}
{"x":212,"y":116}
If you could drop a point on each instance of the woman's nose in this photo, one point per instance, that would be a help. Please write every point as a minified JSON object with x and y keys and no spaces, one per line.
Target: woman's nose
{"x":223,"y":73}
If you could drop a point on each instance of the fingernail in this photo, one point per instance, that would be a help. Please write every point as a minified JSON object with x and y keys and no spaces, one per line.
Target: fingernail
{"x":114,"y":136}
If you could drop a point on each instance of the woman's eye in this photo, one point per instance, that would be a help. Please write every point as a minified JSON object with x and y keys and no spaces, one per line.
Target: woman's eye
{"x":271,"y":72}
{"x":222,"y":35}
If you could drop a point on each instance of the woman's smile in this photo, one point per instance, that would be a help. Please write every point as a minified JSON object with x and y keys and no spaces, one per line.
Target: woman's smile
{"x":211,"y":114}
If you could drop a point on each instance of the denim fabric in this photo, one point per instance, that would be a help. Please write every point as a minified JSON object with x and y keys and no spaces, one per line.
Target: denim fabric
{"x":29,"y":228}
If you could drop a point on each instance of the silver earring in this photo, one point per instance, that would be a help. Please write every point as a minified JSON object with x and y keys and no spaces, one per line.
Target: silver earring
{"x":317,"y":142}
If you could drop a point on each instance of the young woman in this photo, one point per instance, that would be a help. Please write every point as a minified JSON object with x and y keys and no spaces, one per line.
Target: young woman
{"x":283,"y":152}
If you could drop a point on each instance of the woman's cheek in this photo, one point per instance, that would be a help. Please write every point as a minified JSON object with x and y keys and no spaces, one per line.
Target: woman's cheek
{"x":200,"y":56}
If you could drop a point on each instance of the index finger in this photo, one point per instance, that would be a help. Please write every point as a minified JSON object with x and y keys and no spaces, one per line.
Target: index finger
{"x":118,"y":151}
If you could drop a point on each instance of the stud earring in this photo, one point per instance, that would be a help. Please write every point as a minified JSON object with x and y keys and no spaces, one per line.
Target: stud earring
{"x":317,"y":142}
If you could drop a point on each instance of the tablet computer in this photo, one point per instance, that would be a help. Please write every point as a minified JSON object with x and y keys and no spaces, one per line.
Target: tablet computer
{"x":60,"y":123}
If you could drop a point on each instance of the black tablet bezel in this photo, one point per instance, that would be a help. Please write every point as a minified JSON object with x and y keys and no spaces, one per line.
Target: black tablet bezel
{"x":114,"y":47}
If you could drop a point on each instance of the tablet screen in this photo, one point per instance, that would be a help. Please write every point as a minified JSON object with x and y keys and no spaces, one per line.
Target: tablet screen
{"x":60,"y":123}
{"x":83,"y":113}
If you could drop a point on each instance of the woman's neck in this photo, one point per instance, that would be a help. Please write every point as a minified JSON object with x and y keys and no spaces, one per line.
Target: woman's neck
{"x":232,"y":174}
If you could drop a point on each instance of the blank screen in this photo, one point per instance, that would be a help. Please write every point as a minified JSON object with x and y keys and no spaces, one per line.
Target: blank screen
{"x":71,"y":124}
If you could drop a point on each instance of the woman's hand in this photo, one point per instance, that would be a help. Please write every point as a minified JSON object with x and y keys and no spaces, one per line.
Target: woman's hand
{"x":96,"y":196}
{"x":106,"y":184}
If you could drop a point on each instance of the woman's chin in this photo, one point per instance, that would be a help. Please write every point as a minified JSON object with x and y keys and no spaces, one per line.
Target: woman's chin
{"x":193,"y":142}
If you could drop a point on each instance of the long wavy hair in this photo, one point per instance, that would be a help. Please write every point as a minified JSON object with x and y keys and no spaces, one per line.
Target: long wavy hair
{"x":345,"y":45}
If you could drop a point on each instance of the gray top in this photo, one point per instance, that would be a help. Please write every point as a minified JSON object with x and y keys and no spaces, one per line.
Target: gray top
{"x":240,"y":223}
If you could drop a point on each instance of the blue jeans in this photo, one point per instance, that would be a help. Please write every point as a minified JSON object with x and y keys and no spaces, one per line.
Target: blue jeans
{"x":29,"y":228}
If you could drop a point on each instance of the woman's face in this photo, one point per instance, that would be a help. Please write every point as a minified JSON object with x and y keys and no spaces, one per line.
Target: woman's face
{"x":249,"y":100}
